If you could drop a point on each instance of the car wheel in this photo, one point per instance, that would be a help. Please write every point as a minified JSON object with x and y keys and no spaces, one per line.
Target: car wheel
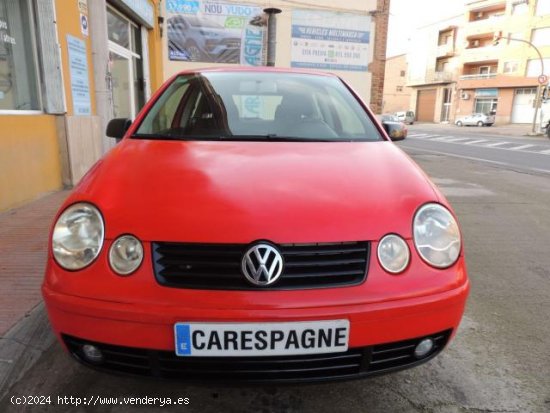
{"x":458,"y":123}
{"x":194,"y":52}
{"x":480,"y":123}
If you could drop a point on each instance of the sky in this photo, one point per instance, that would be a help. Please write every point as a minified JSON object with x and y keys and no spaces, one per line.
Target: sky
{"x":407,"y":15}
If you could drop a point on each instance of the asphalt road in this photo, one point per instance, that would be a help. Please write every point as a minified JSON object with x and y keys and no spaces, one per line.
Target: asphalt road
{"x":518,"y":153}
{"x":500,"y":359}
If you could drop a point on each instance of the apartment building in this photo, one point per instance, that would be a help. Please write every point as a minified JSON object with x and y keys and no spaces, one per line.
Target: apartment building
{"x":461,"y":71}
{"x":397,"y":94}
{"x":502,"y":78}
{"x":433,"y":67}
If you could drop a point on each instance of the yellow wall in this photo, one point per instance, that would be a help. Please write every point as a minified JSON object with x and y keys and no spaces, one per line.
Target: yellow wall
{"x":29,"y":158}
{"x":155,"y":52}
{"x":29,"y":151}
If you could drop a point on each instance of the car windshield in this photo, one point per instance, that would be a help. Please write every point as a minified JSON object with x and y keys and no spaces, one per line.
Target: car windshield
{"x":257,"y":106}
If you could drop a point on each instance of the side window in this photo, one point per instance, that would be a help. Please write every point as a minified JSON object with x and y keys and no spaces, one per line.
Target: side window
{"x":166,"y":108}
{"x":350,"y":123}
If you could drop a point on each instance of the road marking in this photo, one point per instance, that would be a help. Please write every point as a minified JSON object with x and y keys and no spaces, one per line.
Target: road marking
{"x":451,"y":187}
{"x":478,"y":141}
{"x":457,"y":139}
{"x":546,"y":152}
{"x":492,"y":145}
{"x":472,"y":158}
{"x":519,"y":148}
{"x":446,"y":138}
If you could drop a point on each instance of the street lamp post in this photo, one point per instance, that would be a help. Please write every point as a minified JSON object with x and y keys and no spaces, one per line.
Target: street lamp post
{"x":538,"y":99}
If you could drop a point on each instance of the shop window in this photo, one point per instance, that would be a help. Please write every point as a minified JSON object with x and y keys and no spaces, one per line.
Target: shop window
{"x":18,"y":68}
{"x":486,"y":105}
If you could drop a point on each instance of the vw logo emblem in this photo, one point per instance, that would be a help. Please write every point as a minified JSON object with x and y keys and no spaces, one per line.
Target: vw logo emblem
{"x":262,"y":264}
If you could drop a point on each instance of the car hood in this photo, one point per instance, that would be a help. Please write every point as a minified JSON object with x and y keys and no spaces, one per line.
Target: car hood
{"x":238,"y":192}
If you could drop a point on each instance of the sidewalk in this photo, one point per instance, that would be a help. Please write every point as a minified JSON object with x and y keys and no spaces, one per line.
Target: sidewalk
{"x":23,"y":247}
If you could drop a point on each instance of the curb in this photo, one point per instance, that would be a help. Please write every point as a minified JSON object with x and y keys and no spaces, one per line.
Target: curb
{"x":22,"y":346}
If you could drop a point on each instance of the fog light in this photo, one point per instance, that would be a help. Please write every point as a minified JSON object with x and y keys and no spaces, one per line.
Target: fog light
{"x":92,"y":353}
{"x":423,"y":348}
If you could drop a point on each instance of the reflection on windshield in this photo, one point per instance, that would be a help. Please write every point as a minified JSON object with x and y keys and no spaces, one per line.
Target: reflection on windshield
{"x":259,"y":106}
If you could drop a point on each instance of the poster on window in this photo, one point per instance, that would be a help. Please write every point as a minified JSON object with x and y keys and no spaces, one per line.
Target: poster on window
{"x":330,"y":40}
{"x":215,"y":32}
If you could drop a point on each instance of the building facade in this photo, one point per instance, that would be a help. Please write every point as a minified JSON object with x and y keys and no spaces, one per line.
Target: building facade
{"x":462,"y":70}
{"x":348,"y":39}
{"x":397,"y":94}
{"x":66,"y":68}
{"x":503,"y":79}
{"x":433,"y":69}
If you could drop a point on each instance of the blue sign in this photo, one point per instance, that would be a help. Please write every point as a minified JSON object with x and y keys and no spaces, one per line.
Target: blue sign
{"x":183,"y":6}
{"x":330,"y":40}
{"x":487,"y":92}
{"x":78,"y":69}
{"x":183,"y":339}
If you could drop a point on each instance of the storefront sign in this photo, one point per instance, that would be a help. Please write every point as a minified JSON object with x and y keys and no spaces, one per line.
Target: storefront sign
{"x":78,"y":68}
{"x":486,"y":93}
{"x":83,"y":6}
{"x":329,"y":40}
{"x":143,"y":9}
{"x":4,"y":36}
{"x":209,"y":31}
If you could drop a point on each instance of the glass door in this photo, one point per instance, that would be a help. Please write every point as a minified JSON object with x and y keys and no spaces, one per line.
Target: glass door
{"x":122,"y":93}
{"x":126,"y":65}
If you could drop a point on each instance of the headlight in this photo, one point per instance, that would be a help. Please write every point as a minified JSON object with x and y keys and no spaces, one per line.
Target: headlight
{"x":78,"y":236}
{"x":393,"y":253}
{"x":436,"y":235}
{"x":125,"y":254}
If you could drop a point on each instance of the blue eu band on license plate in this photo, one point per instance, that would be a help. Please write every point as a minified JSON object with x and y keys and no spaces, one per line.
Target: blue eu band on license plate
{"x":260,"y":339}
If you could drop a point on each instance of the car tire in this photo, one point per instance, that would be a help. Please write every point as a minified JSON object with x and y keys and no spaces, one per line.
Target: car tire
{"x":459,"y":123}
{"x":480,"y":123}
{"x":194,"y":52}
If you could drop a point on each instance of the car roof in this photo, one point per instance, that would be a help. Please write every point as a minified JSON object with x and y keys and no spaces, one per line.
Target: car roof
{"x":255,"y":69}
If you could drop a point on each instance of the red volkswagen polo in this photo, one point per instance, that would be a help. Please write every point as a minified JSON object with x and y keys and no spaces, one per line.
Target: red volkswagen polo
{"x":255,"y":225}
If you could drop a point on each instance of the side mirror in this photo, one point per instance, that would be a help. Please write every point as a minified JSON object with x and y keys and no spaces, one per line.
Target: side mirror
{"x":116,"y":128}
{"x":395,"y":131}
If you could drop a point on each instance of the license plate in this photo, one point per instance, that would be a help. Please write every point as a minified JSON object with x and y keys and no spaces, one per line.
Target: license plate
{"x":261,"y":339}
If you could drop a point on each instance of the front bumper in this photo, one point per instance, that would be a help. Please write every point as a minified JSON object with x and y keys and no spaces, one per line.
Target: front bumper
{"x":144,"y":332}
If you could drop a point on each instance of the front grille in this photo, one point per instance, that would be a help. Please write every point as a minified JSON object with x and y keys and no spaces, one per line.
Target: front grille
{"x":354,"y":363}
{"x":218,"y":266}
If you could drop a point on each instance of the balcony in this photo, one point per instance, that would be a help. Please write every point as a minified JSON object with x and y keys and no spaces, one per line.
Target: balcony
{"x":445,"y":50}
{"x":481,"y":54}
{"x":431,"y":77}
{"x":494,"y":80}
{"x":478,"y":76}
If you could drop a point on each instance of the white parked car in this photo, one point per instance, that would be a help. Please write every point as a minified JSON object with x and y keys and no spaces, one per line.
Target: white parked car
{"x":406,"y":117}
{"x":475,"y":119}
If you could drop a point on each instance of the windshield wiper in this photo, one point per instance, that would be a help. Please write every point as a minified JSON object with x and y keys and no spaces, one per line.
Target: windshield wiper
{"x":275,"y":137}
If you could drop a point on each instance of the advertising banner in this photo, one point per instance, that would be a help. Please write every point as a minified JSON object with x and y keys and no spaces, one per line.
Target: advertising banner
{"x":215,"y":32}
{"x":329,"y":40}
